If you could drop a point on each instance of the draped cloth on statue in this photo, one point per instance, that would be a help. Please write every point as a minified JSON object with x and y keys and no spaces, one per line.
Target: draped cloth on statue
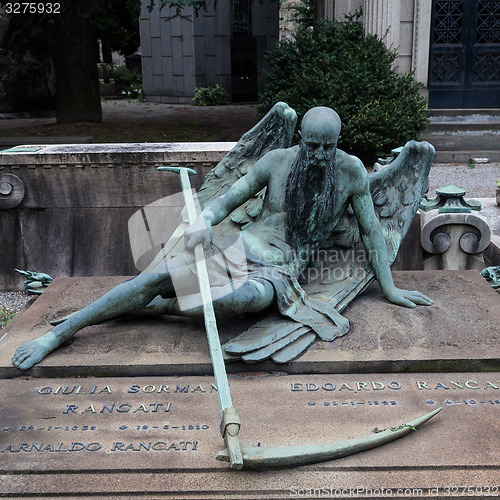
{"x":309,"y":299}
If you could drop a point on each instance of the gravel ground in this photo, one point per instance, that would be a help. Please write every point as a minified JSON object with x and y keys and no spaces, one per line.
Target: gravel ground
{"x":479,"y":182}
{"x":11,"y":302}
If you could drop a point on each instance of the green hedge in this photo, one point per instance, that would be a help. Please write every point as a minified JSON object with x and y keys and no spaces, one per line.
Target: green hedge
{"x":211,"y":95}
{"x":334,"y":64}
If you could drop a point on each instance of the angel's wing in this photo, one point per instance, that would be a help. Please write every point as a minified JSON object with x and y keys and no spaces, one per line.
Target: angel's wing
{"x":274,"y":131}
{"x":396,"y":192}
{"x":345,"y":271}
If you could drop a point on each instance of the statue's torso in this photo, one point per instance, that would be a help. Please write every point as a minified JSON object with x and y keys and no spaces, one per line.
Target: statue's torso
{"x":265,"y":239}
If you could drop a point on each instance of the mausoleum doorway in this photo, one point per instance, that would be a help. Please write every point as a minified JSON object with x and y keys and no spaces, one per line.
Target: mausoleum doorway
{"x":464,"y":62}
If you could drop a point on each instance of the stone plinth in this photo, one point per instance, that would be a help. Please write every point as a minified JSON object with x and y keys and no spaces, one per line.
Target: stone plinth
{"x":158,"y":436}
{"x":129,"y":408}
{"x":458,"y":333}
{"x":491,"y":211}
{"x":67,"y":212}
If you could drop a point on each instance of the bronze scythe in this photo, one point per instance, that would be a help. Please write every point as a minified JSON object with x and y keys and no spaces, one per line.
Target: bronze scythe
{"x":255,"y":457}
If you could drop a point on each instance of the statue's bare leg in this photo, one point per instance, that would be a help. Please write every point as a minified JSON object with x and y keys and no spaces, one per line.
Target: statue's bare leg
{"x":136,"y":294}
{"x":252,"y":296}
{"x":126,"y":297}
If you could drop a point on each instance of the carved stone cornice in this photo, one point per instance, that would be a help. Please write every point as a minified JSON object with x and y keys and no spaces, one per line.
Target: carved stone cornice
{"x":453,"y":237}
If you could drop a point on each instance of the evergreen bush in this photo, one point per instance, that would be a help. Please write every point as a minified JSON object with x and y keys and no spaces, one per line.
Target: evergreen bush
{"x":128,"y":83}
{"x":211,"y":95}
{"x":333,"y":63}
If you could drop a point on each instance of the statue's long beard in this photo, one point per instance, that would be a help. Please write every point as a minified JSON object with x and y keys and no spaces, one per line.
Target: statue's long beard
{"x":310,"y":200}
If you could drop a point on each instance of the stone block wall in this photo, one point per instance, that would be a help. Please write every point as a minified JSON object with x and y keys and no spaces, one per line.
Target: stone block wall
{"x":73,"y":217}
{"x":182,"y":53}
{"x":212,"y":39}
{"x":408,"y":22}
{"x":75,"y":202}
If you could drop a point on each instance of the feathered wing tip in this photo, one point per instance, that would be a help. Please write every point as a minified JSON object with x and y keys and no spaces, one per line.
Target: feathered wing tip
{"x":274,"y":131}
{"x":397,"y":192}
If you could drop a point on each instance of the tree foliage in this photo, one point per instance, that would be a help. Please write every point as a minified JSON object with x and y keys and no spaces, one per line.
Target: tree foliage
{"x":27,"y":75}
{"x":178,"y":6}
{"x":69,"y":42}
{"x":332,"y":63}
{"x":117,"y":25}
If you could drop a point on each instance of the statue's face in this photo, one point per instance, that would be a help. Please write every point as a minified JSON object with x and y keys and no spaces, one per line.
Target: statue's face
{"x":319,"y":131}
{"x":319,"y":145}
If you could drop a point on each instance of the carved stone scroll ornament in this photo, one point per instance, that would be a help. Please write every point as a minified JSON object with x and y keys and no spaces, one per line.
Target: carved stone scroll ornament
{"x":454,"y":240}
{"x":11,"y":191}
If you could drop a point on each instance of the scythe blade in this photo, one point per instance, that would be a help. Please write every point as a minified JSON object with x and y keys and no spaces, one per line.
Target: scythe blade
{"x":257,"y":457}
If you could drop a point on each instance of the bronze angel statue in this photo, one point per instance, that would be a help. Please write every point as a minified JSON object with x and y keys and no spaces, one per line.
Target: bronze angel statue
{"x":315,"y":228}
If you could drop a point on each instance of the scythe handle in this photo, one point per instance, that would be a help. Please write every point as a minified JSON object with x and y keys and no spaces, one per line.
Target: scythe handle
{"x":230,"y":419}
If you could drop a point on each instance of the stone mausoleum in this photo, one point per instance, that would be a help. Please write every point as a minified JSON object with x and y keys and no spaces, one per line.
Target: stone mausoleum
{"x":453,"y":46}
{"x":225,"y":45}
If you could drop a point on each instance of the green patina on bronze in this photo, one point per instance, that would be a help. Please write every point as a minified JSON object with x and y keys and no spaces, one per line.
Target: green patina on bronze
{"x":450,"y":200}
{"x":492,"y":275}
{"x":35,"y":283}
{"x":286,"y":204}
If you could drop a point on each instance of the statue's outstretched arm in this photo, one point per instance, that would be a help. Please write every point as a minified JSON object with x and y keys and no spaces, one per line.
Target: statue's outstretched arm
{"x":219,"y":208}
{"x":241,"y":191}
{"x":374,"y":242}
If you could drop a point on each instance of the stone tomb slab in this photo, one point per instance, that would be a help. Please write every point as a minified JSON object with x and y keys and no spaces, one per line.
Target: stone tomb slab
{"x":459,"y":332}
{"x":158,"y":436}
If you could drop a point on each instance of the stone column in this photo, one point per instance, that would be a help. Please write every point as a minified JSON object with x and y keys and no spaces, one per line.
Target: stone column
{"x":383,"y":15}
{"x":421,"y":39}
{"x":287,"y":20}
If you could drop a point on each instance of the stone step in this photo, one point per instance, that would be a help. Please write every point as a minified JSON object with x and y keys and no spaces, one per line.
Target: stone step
{"x":460,"y":135}
{"x":477,"y":114}
{"x":459,"y":126}
{"x":465,"y":156}
{"x":456,"y":141}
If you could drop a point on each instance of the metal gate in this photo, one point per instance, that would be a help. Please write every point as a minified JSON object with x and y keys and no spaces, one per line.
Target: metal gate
{"x":464,"y":62}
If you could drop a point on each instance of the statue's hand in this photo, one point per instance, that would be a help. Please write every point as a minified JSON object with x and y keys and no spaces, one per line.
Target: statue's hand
{"x":199,"y":232}
{"x":407,"y":298}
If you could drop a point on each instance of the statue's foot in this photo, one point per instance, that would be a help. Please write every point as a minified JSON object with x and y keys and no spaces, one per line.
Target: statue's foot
{"x":330,"y":332}
{"x":343,"y":325}
{"x":31,"y":353}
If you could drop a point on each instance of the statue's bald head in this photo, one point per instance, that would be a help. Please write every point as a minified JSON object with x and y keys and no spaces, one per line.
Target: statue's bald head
{"x":311,"y":192}
{"x":320,"y":124}
{"x":319,"y":134}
